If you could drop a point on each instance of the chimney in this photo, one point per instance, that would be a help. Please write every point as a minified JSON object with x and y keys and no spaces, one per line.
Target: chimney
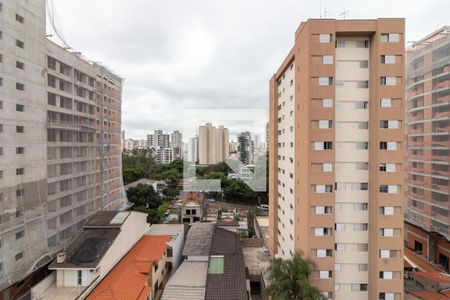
{"x":60,"y":257}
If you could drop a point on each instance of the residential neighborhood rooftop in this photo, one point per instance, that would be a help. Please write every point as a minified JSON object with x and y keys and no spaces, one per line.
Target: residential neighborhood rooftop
{"x":165,"y":229}
{"x":198,"y":240}
{"x":188,"y":282}
{"x":88,"y":248}
{"x":129,"y":278}
{"x":230,"y":282}
{"x":107,"y":219}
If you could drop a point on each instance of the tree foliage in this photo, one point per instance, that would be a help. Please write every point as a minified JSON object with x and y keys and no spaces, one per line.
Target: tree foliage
{"x":289,"y":279}
{"x":144,"y":195}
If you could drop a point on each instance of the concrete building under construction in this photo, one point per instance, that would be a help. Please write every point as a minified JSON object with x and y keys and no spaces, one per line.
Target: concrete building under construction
{"x":60,"y":127}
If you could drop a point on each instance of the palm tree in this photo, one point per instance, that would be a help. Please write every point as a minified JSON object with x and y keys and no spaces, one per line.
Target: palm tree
{"x":289,"y":279}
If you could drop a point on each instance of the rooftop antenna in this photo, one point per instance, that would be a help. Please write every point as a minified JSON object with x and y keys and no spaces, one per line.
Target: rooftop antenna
{"x":326,"y":13}
{"x":320,"y":9}
{"x":343,"y":13}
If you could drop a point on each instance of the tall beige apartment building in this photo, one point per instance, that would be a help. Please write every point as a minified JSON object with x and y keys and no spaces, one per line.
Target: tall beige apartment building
{"x":335,"y":184}
{"x":60,"y":157}
{"x":213,"y":144}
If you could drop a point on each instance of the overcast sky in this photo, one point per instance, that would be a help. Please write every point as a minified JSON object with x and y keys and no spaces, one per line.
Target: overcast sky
{"x":209,"y":54}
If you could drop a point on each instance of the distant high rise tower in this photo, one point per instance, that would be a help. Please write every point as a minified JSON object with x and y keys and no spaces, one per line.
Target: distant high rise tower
{"x":245,"y":148}
{"x":176,"y":141}
{"x":193,"y":149}
{"x":336,"y":156}
{"x":213,"y":144}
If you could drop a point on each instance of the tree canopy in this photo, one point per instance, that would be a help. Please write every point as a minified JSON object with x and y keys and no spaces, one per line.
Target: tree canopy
{"x":289,"y":279}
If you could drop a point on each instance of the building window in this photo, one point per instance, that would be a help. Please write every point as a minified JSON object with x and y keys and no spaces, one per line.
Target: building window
{"x":387,"y":210}
{"x":327,"y":167}
{"x":362,"y":84}
{"x":387,"y":232}
{"x":20,"y":171}
{"x":18,"y":256}
{"x":360,"y":227}
{"x":19,"y":107}
{"x":386,"y":275}
{"x":389,"y":124}
{"x":339,"y":226}
{"x":20,"y":65}
{"x":359,"y":287}
{"x":390,"y":37}
{"x":325,"y":80}
{"x":340,"y":247}
{"x":20,"y":86}
{"x":363,"y":247}
{"x":216,"y":264}
{"x":386,"y":102}
{"x":325,"y":274}
{"x":327,"y":102}
{"x":20,"y":44}
{"x":20,"y":19}
{"x":20,"y":150}
{"x":20,"y":129}
{"x":325,"y":124}
{"x":362,"y":44}
{"x":327,"y":59}
{"x":19,"y":235}
{"x":387,"y":59}
{"x":364,"y":64}
{"x":325,"y":38}
{"x":323,"y":145}
{"x":340,"y":43}
{"x":388,"y":80}
{"x":386,"y":296}
{"x":80,"y":277}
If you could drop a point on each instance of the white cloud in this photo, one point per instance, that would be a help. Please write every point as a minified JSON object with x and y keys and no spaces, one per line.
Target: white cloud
{"x":207,"y":54}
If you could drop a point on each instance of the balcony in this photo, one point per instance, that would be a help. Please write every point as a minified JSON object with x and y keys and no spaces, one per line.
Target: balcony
{"x":74,"y":125}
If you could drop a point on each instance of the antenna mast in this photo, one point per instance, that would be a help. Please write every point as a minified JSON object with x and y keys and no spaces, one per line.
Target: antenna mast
{"x":343,"y":13}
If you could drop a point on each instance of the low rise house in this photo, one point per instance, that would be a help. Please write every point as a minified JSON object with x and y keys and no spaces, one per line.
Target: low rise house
{"x":139,"y":274}
{"x":106,"y":238}
{"x":213,"y":267}
{"x":193,"y":206}
{"x":176,"y":243}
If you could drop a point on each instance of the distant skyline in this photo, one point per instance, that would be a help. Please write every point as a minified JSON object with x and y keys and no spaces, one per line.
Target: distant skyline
{"x":208,"y":54}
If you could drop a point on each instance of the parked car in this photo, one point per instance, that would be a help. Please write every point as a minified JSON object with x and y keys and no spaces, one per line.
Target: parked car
{"x":263,"y":207}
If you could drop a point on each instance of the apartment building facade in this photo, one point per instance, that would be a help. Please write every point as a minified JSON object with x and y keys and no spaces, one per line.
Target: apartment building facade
{"x":428,"y":147}
{"x":245,"y":148}
{"x":335,"y":183}
{"x":61,"y":139}
{"x":213,"y":144}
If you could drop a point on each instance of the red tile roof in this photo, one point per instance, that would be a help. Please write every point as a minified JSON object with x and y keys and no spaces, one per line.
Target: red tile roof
{"x":439,"y":277}
{"x":426,"y":295}
{"x":128,"y":280}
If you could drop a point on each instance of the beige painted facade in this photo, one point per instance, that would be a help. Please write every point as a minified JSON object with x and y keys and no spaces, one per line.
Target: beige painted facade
{"x":213,"y":144}
{"x":336,"y":191}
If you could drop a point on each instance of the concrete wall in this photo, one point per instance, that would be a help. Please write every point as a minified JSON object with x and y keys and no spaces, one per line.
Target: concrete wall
{"x":21,"y":211}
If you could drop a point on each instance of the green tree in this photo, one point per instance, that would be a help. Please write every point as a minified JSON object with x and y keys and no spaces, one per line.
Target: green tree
{"x":162,"y":209}
{"x":289,"y":279}
{"x":144,"y":195}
